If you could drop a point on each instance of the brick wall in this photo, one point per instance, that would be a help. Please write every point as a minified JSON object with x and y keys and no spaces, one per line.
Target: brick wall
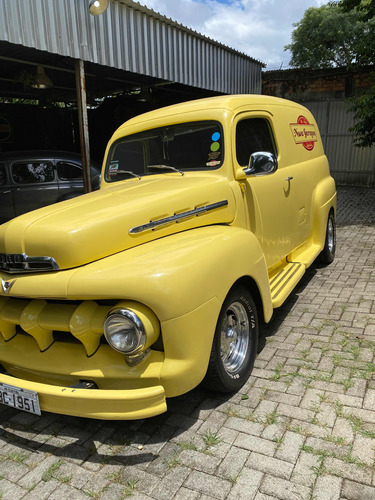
{"x":302,"y":84}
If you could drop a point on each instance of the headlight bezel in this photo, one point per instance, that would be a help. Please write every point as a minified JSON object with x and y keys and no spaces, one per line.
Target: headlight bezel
{"x":132,"y":317}
{"x":144,"y":321}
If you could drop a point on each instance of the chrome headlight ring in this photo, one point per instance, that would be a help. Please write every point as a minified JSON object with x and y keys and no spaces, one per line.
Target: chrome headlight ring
{"x":124,"y":331}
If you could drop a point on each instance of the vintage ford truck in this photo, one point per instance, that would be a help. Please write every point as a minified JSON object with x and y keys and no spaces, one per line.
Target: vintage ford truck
{"x":208,"y":214}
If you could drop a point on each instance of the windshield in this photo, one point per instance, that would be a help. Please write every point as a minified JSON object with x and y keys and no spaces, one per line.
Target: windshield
{"x":186,"y":146}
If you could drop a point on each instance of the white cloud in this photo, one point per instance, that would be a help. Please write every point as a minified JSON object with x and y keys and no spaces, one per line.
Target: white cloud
{"x":259,"y":28}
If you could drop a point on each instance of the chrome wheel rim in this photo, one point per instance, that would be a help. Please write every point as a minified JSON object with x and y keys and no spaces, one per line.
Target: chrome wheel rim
{"x":330,"y":235}
{"x":234,"y":339}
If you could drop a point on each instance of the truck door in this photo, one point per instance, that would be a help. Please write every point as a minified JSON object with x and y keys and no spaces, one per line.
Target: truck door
{"x":268,"y":202}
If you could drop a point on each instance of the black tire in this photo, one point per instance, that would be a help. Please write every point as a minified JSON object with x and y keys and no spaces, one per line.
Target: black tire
{"x":327,"y":255}
{"x":231,"y":362}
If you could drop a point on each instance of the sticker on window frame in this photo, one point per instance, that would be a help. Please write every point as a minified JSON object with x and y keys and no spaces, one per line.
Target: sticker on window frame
{"x":304,"y":133}
{"x":113,"y":167}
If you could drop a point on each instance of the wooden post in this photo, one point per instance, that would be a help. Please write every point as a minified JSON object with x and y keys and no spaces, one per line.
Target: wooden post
{"x":83,"y":123}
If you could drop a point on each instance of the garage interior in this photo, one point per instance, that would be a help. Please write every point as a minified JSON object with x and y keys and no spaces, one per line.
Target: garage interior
{"x":126,"y":61}
{"x":47,"y":118}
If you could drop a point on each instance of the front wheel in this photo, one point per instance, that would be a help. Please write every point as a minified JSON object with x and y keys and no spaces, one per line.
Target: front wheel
{"x":235,"y":343}
{"x":328,"y":253}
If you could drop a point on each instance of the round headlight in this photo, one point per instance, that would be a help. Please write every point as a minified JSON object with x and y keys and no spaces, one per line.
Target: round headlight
{"x":124,"y":331}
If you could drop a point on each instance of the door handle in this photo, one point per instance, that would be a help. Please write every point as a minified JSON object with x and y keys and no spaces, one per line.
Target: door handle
{"x":289,"y":178}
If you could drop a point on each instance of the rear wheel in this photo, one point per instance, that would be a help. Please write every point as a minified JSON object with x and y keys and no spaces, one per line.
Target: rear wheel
{"x":328,"y":253}
{"x":235,"y":343}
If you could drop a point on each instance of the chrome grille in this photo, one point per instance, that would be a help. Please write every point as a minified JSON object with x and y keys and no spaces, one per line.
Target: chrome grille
{"x":22,"y":263}
{"x":49,"y":321}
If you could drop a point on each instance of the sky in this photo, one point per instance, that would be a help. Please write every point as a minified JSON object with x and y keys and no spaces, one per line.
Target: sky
{"x":259,"y":28}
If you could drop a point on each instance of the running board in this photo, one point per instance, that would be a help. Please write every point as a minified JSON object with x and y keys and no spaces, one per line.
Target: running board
{"x":284,"y":281}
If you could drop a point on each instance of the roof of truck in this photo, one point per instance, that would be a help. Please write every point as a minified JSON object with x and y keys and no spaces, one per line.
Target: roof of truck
{"x":230,"y":102}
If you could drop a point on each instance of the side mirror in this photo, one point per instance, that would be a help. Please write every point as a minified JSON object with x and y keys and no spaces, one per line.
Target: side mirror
{"x":96,"y":182}
{"x":260,"y":163}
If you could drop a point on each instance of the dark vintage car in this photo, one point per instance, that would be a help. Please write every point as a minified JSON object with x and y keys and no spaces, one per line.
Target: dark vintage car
{"x":33,"y":179}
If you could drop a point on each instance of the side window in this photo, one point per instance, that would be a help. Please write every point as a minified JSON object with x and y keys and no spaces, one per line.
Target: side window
{"x":127,"y":155}
{"x":3,"y":176}
{"x":252,"y":135}
{"x":68,"y":171}
{"x":33,"y":172}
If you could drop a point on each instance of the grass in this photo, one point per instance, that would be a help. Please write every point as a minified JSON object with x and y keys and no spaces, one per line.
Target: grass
{"x":172,"y":461}
{"x":252,"y":418}
{"x":367,"y":433}
{"x":347,"y":383}
{"x":230,"y":412}
{"x":336,"y":439}
{"x":337,"y":359}
{"x":324,"y":398}
{"x":52,"y":469}
{"x":130,"y":488}
{"x":279,"y":441}
{"x":355,"y":350}
{"x":188,"y":445}
{"x":264,"y":393}
{"x":18,"y":457}
{"x":93,"y":494}
{"x":64,"y":479}
{"x":116,"y":477}
{"x":233,"y":479}
{"x":320,"y":470}
{"x":271,"y":418}
{"x":340,"y":454}
{"x":211,"y":439}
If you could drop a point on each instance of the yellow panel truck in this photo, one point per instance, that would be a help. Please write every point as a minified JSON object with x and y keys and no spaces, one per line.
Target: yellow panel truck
{"x":208,"y":215}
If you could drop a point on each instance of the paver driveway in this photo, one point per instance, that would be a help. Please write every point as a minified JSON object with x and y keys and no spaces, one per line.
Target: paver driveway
{"x":302,"y":428}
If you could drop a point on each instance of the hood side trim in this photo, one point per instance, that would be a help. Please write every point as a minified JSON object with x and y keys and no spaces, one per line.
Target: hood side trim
{"x":178,"y":217}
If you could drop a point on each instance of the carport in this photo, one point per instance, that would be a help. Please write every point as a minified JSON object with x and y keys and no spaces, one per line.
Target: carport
{"x":65,"y":73}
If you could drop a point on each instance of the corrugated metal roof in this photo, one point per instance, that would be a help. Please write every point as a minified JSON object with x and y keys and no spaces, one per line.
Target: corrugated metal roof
{"x":131,"y":37}
{"x":142,"y":8}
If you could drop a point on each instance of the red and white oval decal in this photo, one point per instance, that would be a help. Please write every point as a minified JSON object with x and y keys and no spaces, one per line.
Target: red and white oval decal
{"x":304,"y":133}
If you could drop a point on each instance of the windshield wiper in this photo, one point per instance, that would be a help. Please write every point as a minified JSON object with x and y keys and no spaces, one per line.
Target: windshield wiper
{"x":165,"y":167}
{"x":128,"y":172}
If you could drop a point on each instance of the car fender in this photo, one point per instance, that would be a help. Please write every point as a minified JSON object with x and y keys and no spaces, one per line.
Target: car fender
{"x":177,"y":274}
{"x":184,"y":279}
{"x":324,"y":199}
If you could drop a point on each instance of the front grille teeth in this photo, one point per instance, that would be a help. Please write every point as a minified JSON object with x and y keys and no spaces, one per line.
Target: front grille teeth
{"x":40,"y":319}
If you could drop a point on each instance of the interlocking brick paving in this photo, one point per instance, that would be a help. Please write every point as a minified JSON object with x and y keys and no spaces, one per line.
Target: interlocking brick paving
{"x":303,"y":426}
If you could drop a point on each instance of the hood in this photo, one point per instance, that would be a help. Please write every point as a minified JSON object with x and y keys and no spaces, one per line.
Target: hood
{"x":102,"y":223}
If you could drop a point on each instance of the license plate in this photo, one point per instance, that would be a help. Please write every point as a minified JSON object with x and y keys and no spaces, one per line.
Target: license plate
{"x":21,"y":399}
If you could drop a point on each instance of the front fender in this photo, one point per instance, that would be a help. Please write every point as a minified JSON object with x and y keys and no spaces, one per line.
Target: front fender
{"x":184,"y":278}
{"x":172,"y":275}
{"x":177,"y":274}
{"x":324,"y":199}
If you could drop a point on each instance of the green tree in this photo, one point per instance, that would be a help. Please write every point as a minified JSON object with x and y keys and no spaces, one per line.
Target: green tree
{"x":365,"y":7}
{"x":328,"y":37}
{"x":363,"y":105}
